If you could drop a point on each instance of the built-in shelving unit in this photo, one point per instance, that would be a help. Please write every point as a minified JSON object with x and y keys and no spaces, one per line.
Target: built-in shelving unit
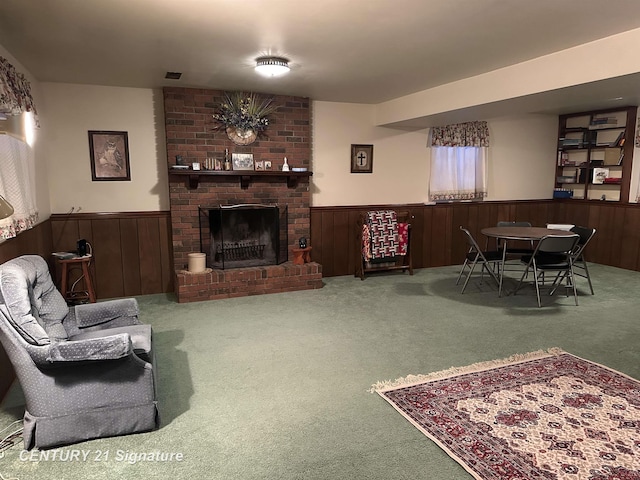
{"x":595,"y":155}
{"x":245,"y":176}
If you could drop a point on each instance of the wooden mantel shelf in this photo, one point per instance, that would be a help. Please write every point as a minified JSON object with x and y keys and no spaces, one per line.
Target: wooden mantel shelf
{"x":244,"y":176}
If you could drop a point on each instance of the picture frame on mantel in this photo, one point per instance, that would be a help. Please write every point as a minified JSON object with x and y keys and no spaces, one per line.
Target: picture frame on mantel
{"x":242,"y":161}
{"x":109,"y":156}
{"x":361,"y":158}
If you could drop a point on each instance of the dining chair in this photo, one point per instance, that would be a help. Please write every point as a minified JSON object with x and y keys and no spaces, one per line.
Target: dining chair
{"x":488,"y":260}
{"x":580,"y":268}
{"x":511,"y":251}
{"x":553,"y":253}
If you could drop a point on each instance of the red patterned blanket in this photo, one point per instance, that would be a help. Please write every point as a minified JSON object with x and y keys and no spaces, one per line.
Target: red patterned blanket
{"x":383,"y":237}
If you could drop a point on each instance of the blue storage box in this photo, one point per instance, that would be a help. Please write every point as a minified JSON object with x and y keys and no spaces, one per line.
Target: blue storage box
{"x":562,"y":194}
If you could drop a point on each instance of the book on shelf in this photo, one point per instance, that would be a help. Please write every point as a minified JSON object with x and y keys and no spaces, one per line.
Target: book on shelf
{"x":571,"y":142}
{"x":612,"y":181}
{"x":563,"y":158}
{"x":609,"y":138}
{"x":619,"y":142}
{"x":603,"y":122}
{"x":599,"y":175}
{"x":611,"y":156}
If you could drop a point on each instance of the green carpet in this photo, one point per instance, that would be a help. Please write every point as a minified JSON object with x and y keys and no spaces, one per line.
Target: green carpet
{"x":276,"y":386}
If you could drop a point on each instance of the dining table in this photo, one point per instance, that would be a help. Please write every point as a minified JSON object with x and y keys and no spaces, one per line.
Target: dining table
{"x":510,"y":234}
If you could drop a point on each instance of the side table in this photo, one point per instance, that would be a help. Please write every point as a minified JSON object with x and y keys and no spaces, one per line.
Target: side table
{"x":67,"y":265}
{"x":301,"y":255}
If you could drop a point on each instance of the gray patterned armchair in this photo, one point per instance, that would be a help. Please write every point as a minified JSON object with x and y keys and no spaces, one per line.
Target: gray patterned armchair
{"x":86,"y":371}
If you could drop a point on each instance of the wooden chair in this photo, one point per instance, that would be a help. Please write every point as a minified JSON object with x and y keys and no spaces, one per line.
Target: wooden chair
{"x":399,"y":262}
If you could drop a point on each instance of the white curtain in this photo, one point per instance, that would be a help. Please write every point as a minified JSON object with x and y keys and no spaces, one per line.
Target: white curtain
{"x":459,"y":162}
{"x":17,"y":185}
{"x":458,"y":173}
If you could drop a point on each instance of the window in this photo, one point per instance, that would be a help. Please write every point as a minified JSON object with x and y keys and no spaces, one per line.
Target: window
{"x":17,"y":185}
{"x":458,"y":162}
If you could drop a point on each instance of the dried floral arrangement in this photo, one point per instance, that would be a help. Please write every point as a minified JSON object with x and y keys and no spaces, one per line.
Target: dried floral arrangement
{"x":244,"y":111}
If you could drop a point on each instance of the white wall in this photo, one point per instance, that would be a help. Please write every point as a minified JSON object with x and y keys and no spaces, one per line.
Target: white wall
{"x":73,"y":110}
{"x":521,"y":159}
{"x":400,"y":159}
{"x":522,"y":156}
{"x":42,"y":184}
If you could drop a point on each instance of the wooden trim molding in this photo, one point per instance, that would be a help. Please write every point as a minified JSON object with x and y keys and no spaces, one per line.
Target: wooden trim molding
{"x":103,"y":215}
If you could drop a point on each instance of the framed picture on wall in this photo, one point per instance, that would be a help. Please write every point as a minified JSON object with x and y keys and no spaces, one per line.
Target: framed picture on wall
{"x":109,"y":153}
{"x":361,"y":158}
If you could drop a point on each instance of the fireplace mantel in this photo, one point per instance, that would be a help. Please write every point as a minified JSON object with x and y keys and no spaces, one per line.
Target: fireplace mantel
{"x":244,"y":176}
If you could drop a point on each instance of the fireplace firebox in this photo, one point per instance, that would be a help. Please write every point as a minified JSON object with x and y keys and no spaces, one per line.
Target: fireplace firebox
{"x":247,"y":235}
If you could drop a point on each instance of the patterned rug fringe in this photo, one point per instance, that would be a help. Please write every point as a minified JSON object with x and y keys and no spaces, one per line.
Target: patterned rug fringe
{"x":409,"y":380}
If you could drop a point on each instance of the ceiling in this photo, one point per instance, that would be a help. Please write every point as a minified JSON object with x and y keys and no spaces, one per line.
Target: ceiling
{"x":361,"y":51}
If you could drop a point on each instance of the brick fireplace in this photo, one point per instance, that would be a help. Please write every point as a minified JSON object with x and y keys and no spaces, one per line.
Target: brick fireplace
{"x":190,"y":133}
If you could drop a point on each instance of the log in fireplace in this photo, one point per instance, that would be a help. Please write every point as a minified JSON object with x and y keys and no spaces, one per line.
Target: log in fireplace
{"x":244,"y":235}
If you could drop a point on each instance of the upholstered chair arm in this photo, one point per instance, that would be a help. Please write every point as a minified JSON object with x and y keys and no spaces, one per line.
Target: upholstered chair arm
{"x":111,"y":347}
{"x":120,"y":312}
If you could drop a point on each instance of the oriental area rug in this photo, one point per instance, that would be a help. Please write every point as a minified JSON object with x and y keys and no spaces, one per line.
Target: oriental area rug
{"x":542,"y":415}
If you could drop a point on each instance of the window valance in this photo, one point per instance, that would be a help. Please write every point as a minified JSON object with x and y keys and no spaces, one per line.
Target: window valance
{"x":469,"y":134}
{"x":15,"y":92}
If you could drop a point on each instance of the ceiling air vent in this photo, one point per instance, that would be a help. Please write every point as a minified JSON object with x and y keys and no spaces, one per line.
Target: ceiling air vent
{"x":173,"y":75}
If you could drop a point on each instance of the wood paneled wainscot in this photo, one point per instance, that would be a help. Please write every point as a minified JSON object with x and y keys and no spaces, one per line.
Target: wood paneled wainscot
{"x":132,"y":251}
{"x":437,"y":241}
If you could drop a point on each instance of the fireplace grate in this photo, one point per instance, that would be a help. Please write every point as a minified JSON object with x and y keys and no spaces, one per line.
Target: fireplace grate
{"x":239,"y":252}
{"x":244,"y":235}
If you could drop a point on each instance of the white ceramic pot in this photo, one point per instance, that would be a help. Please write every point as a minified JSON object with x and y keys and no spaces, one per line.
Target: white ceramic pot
{"x":197,"y":262}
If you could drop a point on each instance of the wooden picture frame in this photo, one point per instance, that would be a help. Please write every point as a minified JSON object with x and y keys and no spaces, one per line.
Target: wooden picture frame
{"x":361,"y":158}
{"x":109,"y":154}
{"x":242,"y":161}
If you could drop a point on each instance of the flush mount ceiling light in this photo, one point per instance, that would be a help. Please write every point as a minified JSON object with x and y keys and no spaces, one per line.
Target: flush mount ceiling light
{"x":272,"y":66}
